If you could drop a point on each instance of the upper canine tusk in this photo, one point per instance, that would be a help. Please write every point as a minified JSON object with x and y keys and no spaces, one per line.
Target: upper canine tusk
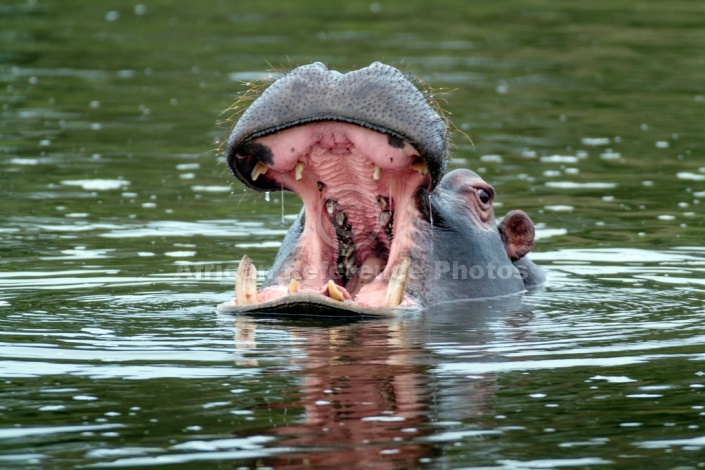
{"x":258,"y":170}
{"x":377,"y":173}
{"x":420,"y":166}
{"x":397,"y":284}
{"x":299,"y":170}
{"x":246,"y":282}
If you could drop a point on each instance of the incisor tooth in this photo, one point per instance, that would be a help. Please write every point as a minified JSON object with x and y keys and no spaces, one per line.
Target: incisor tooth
{"x":397,"y":284}
{"x":377,"y":173}
{"x":333,"y":291}
{"x":258,"y":170}
{"x":293,"y":286}
{"x":299,"y":170}
{"x":246,"y":282}
{"x":420,"y":166}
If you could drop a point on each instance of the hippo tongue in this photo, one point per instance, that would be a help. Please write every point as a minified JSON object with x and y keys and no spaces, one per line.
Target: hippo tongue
{"x":358,"y":187}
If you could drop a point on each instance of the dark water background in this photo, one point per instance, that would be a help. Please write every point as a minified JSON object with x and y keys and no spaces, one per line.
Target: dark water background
{"x":120,"y":231}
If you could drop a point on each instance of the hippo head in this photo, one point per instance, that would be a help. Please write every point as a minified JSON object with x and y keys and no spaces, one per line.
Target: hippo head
{"x":366,"y":153}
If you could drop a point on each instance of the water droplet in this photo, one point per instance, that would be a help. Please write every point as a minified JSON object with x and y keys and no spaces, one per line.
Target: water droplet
{"x":282,"y":200}
{"x":430,"y":217}
{"x":266,"y":196}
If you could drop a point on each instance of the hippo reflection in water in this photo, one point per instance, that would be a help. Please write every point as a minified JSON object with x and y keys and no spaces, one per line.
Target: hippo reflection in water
{"x":382,"y":228}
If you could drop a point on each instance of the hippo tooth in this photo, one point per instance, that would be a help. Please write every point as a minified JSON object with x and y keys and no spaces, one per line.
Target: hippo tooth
{"x":333,"y":291}
{"x":246,"y":282}
{"x":385,"y":217}
{"x":293,"y":286}
{"x":420,"y":166}
{"x":346,"y":250}
{"x":383,"y":202}
{"x":330,"y":206}
{"x":299,"y":170}
{"x":258,"y":170}
{"x":340,"y":218}
{"x":397,"y":284}
{"x":350,"y":263}
{"x":377,"y":173}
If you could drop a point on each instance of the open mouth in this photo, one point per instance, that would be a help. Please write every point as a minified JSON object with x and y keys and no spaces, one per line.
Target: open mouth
{"x":366,"y":152}
{"x":361,"y":190}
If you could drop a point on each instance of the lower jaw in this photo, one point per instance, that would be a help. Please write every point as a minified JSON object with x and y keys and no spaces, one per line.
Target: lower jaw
{"x":387,"y":290}
{"x":303,"y":304}
{"x":313,"y":272}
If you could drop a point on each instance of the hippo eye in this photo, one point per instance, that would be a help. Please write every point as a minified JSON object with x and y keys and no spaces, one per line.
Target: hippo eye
{"x":484,"y":195}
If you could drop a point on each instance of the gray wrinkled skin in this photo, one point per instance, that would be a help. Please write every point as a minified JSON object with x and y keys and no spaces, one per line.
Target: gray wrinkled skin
{"x":466,"y":260}
{"x":378,"y":97}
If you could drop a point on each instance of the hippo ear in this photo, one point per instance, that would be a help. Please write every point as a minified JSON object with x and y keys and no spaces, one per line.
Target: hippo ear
{"x":517,"y":231}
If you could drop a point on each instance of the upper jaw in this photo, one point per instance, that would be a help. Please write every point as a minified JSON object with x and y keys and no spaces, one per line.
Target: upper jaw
{"x":377,"y":97}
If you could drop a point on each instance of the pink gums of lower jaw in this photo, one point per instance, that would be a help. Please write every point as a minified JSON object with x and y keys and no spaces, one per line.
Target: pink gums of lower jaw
{"x":343,"y":158}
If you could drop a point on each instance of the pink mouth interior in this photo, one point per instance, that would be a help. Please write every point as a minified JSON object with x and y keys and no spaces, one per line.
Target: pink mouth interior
{"x":358,"y":187}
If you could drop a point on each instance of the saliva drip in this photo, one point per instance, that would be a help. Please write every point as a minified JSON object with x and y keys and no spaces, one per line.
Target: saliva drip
{"x":282,"y":199}
{"x":430,"y":211}
{"x":430,"y":218}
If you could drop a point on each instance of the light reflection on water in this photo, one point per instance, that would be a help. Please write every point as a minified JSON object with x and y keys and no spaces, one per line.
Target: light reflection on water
{"x":601,"y":334}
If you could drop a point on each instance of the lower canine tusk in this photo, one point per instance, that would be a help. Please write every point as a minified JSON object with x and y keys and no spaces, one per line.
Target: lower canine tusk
{"x":299,"y":170}
{"x":397,"y":284}
{"x":293,"y":286}
{"x":258,"y":170}
{"x":333,"y":291}
{"x":246,"y":282}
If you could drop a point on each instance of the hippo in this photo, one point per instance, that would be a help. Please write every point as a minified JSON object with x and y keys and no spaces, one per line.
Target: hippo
{"x":383,"y":228}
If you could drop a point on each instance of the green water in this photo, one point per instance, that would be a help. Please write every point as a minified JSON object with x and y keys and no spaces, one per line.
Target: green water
{"x":120,"y":230}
